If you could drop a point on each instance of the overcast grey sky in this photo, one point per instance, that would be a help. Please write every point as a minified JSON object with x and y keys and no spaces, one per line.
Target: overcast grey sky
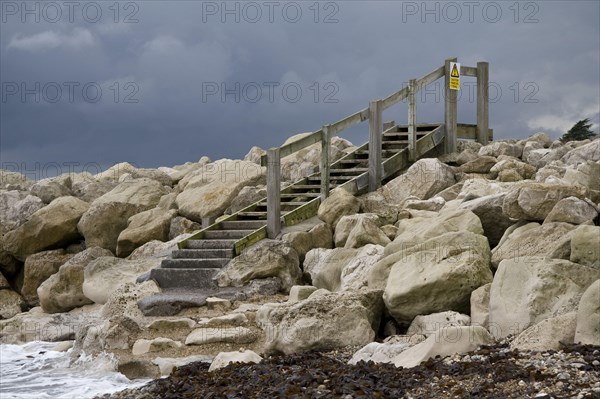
{"x":159,"y":83}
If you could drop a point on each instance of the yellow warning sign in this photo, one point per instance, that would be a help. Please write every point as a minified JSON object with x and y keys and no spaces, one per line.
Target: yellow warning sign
{"x":454,"y":76}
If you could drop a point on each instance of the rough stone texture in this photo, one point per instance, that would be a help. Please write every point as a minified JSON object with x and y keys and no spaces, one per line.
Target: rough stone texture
{"x":172,"y":324}
{"x":527,"y":290}
{"x":547,"y":334}
{"x":49,"y":189}
{"x":153,"y":224}
{"x":234,"y":335}
{"x":583,"y":154}
{"x":300,"y":292}
{"x":364,"y":232}
{"x":11,"y":303}
{"x":498,"y":148}
{"x":489,"y":211}
{"x":436,"y":322}
{"x":458,"y":340}
{"x":16,"y":207}
{"x":104,"y":275}
{"x":523,"y":170}
{"x":474,"y":188}
{"x":122,"y":170}
{"x":588,"y":316}
{"x":532,"y":239}
{"x":342,"y":269}
{"x":319,"y":236}
{"x":433,"y":204}
{"x":418,"y":230}
{"x":254,"y":155}
{"x":423,"y":180}
{"x":572,"y":210}
{"x":157,"y":249}
{"x":585,"y":246}
{"x":108,"y":215}
{"x":181,"y":225}
{"x":481,"y":164}
{"x":386,"y":352}
{"x":223,"y":359}
{"x":324,"y":321}
{"x":268,"y":258}
{"x":375,"y":203}
{"x":166,"y":365}
{"x":209,"y":191}
{"x":434,"y":276}
{"x":39,"y":267}
{"x":534,"y":201}
{"x":53,"y":226}
{"x":63,"y":291}
{"x":14,"y":180}
{"x":480,"y":306}
{"x":143,"y":346}
{"x":340,"y":203}
{"x":347,"y":223}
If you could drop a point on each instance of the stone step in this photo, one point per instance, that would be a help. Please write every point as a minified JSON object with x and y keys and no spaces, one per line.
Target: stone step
{"x":243,"y":224}
{"x":202,"y":253}
{"x":190,"y":263}
{"x":210,"y":244}
{"x":220,"y":234}
{"x":200,"y":279}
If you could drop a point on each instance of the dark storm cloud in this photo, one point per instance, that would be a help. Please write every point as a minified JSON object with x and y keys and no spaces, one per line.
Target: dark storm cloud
{"x":161,"y":67}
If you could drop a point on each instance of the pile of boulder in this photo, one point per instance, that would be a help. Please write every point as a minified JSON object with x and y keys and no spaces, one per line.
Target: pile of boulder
{"x":495,"y":242}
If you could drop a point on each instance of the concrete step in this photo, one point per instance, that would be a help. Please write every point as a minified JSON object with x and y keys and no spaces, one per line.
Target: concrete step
{"x":299,"y":195}
{"x":202,"y":254}
{"x":243,"y":224}
{"x":351,"y":171}
{"x":221,"y":234}
{"x":253,"y":215}
{"x":200,"y":279}
{"x":190,"y":263}
{"x":211,"y":244}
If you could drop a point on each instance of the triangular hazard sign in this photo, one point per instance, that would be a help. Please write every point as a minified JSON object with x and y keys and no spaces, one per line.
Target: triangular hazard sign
{"x":454,"y":72}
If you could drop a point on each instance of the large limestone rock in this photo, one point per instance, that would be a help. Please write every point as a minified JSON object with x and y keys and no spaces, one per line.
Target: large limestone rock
{"x":436,"y":322}
{"x":481,"y":164}
{"x":223,"y":359}
{"x":209,"y":191}
{"x":324,"y":321}
{"x":209,"y":335}
{"x":585,"y":246}
{"x":454,"y":340}
{"x":11,"y":303}
{"x":63,"y":291}
{"x":268,"y":258}
{"x":527,"y":290}
{"x":532,"y":239}
{"x":375,"y":203}
{"x":143,"y":346}
{"x":53,"y":226}
{"x":489,"y":211}
{"x":157,"y":249}
{"x":522,"y":169}
{"x":14,"y":180}
{"x":534,"y":201}
{"x":385,"y":352}
{"x":342,"y":269}
{"x":49,"y":189}
{"x":246,"y":197}
{"x":435,"y":276}
{"x":572,"y":210}
{"x":588,"y":316}
{"x":153,"y":224}
{"x":547,"y":334}
{"x":16,"y":207}
{"x":480,"y":306}
{"x":124,"y":169}
{"x":38,"y":268}
{"x":104,"y":275}
{"x":340,"y":203}
{"x":498,"y":148}
{"x":418,"y":230}
{"x":364,"y":232}
{"x":347,"y":223}
{"x":424,"y":179}
{"x":579,"y":155}
{"x":320,"y":236}
{"x":108,"y":215}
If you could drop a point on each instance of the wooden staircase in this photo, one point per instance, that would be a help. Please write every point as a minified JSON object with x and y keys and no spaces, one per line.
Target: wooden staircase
{"x":201,"y":256}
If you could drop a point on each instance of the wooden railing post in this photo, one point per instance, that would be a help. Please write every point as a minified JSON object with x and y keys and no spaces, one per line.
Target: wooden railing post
{"x":450,"y":107}
{"x":325,"y":144}
{"x":412,"y":119}
{"x":273,"y":193}
{"x":375,"y":131}
{"x":482,"y":102}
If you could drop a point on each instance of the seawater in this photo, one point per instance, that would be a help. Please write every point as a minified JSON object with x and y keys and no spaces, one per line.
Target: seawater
{"x":34,"y":370}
